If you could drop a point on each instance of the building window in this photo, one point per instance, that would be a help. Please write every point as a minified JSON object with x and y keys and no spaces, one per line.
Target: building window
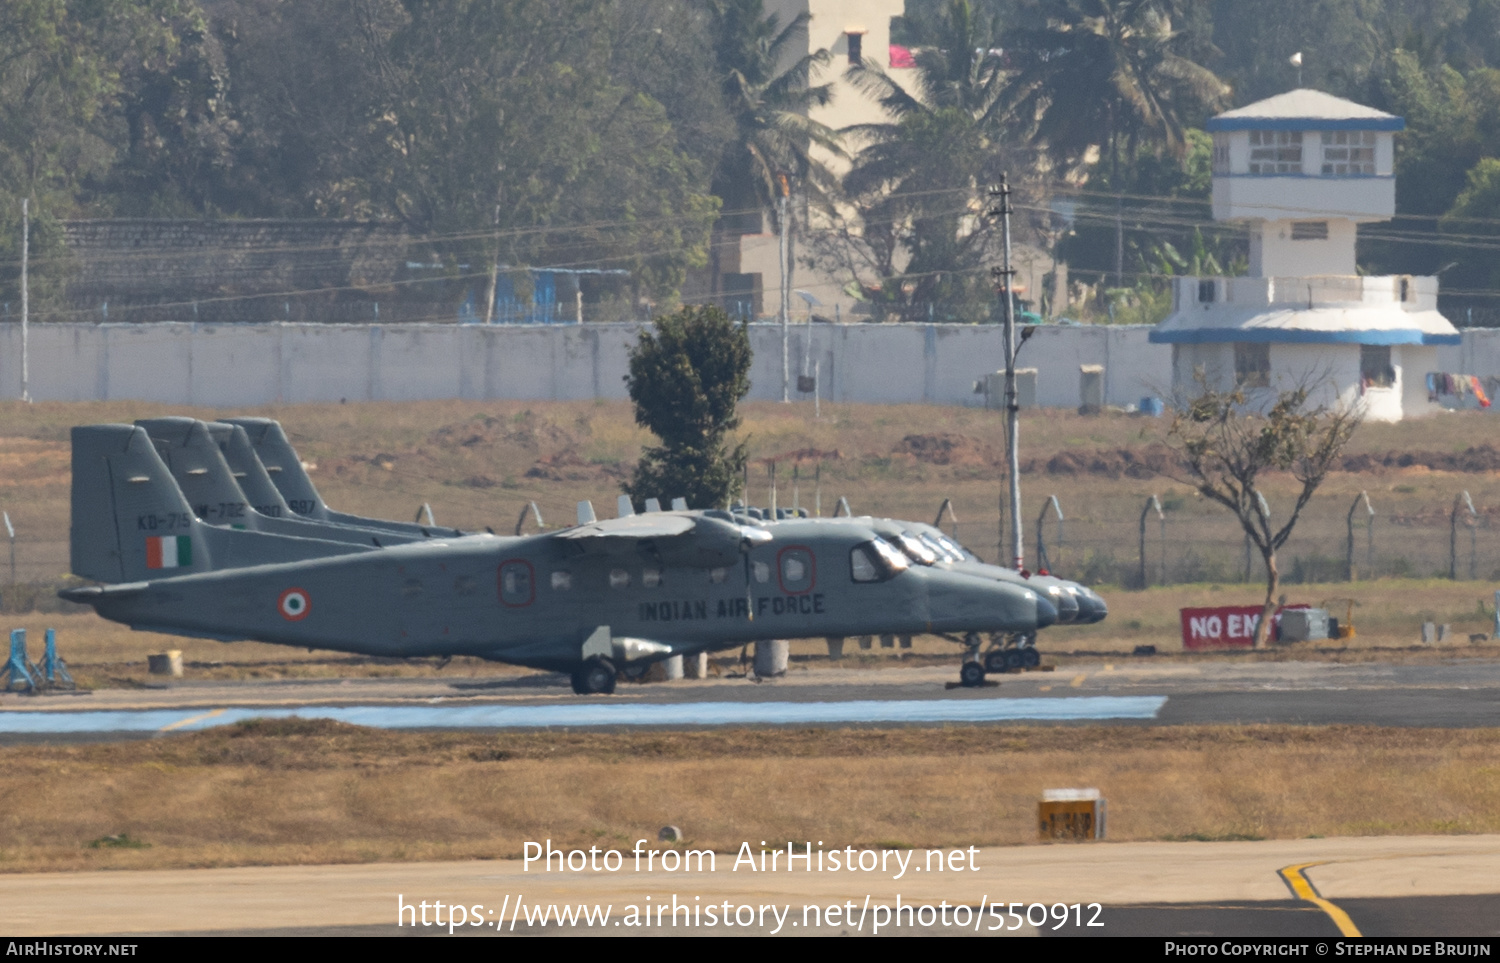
{"x":1348,"y":152}
{"x":1221,"y":153}
{"x":1205,"y":291}
{"x":1276,"y":152}
{"x":1309,"y":230}
{"x":1252,"y":365}
{"x":856,"y":48}
{"x":1375,"y":369}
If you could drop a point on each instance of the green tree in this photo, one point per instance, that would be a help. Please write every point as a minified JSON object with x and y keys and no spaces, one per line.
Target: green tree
{"x":685,"y":381}
{"x":919,"y":181}
{"x":768,"y":103}
{"x":1228,"y":443}
{"x":1111,"y":74}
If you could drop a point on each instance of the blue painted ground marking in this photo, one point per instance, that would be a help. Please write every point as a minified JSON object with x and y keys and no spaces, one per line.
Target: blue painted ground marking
{"x":605,"y":714}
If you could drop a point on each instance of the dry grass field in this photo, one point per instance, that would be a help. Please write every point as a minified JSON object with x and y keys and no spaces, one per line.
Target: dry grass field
{"x":298,"y":791}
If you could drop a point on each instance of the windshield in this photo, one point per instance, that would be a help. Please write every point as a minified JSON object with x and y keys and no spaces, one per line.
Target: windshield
{"x":915,"y":549}
{"x":875,"y":561}
{"x":940,"y":549}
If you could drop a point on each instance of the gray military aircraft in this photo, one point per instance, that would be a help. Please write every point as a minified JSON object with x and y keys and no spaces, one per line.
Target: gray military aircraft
{"x":585,"y":600}
{"x":925,"y":545}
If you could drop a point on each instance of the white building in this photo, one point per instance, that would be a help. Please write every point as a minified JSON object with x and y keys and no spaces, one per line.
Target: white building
{"x":744,"y":273}
{"x":1301,"y":170}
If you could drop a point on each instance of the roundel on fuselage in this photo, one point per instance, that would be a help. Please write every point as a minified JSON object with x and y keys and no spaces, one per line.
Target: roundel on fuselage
{"x":294,"y":604}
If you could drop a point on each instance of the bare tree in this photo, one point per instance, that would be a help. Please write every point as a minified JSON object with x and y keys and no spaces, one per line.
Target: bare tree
{"x":1227,"y":446}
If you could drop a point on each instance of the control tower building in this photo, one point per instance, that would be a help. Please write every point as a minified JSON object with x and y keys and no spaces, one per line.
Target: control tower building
{"x":1301,"y":171}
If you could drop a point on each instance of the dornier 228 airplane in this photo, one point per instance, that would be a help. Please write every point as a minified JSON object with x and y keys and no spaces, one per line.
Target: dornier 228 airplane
{"x":584,"y":600}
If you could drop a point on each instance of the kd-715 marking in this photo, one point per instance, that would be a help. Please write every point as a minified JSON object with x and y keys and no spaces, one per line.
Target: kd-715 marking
{"x":167,"y":522}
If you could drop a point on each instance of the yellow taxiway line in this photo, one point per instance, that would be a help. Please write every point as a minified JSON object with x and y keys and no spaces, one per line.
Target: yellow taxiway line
{"x":190,"y":720}
{"x":1303,"y":887}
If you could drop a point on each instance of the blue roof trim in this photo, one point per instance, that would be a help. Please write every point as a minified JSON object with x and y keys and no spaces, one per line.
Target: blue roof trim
{"x":1284,"y":336}
{"x":1218,"y":124}
{"x":1311,"y":177}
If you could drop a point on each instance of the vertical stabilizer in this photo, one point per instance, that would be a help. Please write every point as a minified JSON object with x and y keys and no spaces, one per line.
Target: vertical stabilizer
{"x":283,"y":465}
{"x":130,"y":521}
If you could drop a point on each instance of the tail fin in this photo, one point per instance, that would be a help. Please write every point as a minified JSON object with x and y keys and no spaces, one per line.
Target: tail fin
{"x":132,"y":523}
{"x":199,"y":469}
{"x":283,"y":465}
{"x":130,"y":520}
{"x":248,"y":471}
{"x":290,"y":478}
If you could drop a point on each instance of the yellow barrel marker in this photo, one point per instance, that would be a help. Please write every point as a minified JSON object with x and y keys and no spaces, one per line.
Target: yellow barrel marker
{"x":1078,"y":680}
{"x":190,"y":720}
{"x":1303,"y":887}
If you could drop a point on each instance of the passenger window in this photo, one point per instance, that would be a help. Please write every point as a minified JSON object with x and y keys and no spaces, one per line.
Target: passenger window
{"x":862,"y":565}
{"x":562,"y":581}
{"x":718,"y":576}
{"x":619,"y":579}
{"x":517,"y":583}
{"x":762,"y":572}
{"x":798,"y":570}
{"x":651,"y":577}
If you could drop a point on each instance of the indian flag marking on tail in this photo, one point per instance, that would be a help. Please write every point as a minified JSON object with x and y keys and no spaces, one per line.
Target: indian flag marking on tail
{"x":169,"y":551}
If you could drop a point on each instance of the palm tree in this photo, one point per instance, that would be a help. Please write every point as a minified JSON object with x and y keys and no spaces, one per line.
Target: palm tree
{"x":918,"y":180}
{"x":1096,"y":72}
{"x":774,"y":138}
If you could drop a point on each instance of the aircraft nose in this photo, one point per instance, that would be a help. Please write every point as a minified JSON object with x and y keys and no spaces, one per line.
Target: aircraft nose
{"x":1046,"y":613}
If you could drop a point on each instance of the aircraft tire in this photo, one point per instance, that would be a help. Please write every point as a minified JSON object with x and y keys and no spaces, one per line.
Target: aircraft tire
{"x":1014,"y":659}
{"x":1030,"y":657}
{"x":994,"y":661}
{"x":595,"y":677}
{"x":971,"y":674}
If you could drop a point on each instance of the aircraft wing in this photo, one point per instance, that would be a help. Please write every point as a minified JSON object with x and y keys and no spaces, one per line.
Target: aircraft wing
{"x":656,"y":525}
{"x":680,"y":539}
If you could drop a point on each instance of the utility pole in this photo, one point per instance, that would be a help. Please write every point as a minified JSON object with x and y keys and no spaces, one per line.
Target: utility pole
{"x":489,"y":299}
{"x":786,"y":299}
{"x":1012,"y":410}
{"x":1119,"y":240}
{"x":25,"y":300}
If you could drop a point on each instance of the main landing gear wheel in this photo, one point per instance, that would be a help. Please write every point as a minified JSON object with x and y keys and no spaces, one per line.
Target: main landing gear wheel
{"x":1014,"y":659}
{"x":971,"y":674}
{"x":595,"y":677}
{"x":994,"y":661}
{"x":1030,"y":657}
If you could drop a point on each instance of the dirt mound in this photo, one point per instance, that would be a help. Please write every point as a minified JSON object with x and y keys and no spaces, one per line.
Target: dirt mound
{"x":292,"y":726}
{"x":569,"y":465}
{"x":527,"y":429}
{"x":946,"y":448}
{"x":1479,"y":458}
{"x":1154,"y":459}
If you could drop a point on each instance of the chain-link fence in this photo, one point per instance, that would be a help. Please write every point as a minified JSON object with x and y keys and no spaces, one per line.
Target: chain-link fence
{"x":1188,"y":542}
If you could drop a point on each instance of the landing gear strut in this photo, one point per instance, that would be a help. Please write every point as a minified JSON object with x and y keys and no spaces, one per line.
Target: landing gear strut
{"x":595,"y":677}
{"x":971,"y":673}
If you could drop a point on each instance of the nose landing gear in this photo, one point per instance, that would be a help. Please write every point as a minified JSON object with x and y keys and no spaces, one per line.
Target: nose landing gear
{"x":1007,"y":654}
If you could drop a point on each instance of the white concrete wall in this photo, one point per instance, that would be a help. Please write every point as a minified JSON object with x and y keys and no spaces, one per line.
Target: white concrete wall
{"x":235,"y":365}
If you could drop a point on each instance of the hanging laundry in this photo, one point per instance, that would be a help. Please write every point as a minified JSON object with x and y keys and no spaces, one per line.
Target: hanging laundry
{"x":1458,"y":386}
{"x":1484,"y":401}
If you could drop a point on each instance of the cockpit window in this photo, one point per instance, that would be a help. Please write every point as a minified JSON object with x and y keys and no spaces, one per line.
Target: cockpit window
{"x":938,"y":547}
{"x":875,"y":561}
{"x":915,"y":550}
{"x":956,"y":548}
